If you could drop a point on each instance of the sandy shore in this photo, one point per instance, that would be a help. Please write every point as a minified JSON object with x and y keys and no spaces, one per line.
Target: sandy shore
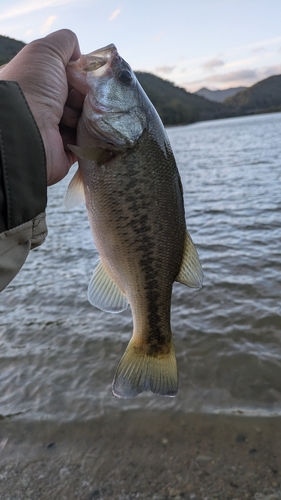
{"x":145,"y":456}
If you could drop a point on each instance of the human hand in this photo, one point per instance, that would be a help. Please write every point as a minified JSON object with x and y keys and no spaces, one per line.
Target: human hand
{"x":39,"y":68}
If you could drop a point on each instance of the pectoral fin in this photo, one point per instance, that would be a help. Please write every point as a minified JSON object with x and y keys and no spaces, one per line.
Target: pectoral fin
{"x":97,"y":154}
{"x":75,"y":191}
{"x":104,"y":293}
{"x":191,"y":273}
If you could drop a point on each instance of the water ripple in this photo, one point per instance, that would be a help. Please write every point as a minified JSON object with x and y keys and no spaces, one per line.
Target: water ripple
{"x":58,"y":354}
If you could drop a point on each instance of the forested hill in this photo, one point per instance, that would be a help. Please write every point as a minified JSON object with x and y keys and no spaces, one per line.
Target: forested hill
{"x":264,"y":96}
{"x":218,"y":95}
{"x":176,"y":106}
{"x":9,"y":48}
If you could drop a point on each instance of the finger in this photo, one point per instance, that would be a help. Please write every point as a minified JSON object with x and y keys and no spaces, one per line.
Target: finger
{"x":75,"y":99}
{"x":68,"y":136}
{"x":65,"y":44}
{"x":70,"y":117}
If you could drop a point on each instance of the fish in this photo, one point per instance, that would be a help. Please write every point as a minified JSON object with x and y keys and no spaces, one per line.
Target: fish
{"x":130,"y":182}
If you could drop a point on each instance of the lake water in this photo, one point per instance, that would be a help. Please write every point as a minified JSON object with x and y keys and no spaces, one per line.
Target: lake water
{"x":58,"y":354}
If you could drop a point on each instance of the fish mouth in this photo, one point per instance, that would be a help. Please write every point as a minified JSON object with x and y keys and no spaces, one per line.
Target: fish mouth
{"x":104,"y":51}
{"x":105,"y":116}
{"x":99,"y":58}
{"x":100,"y":62}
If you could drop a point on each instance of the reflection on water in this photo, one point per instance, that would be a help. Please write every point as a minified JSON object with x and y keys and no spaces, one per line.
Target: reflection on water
{"x":59,"y":354}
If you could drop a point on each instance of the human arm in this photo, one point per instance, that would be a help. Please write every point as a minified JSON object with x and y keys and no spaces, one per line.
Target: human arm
{"x":38,"y":117}
{"x":23,"y":193}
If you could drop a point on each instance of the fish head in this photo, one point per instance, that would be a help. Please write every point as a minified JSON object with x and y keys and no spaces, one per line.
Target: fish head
{"x":113,"y":113}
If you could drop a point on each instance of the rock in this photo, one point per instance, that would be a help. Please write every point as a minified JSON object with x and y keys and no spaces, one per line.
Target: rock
{"x":241,"y":438}
{"x":174,"y":492}
{"x":271,"y":496}
{"x":51,"y":445}
{"x":202,"y":459}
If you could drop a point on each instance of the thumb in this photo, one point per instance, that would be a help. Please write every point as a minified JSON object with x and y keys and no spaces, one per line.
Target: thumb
{"x":64,"y":44}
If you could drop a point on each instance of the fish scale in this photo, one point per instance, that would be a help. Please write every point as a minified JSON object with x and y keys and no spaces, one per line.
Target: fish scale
{"x":140,"y":235}
{"x":135,"y":206}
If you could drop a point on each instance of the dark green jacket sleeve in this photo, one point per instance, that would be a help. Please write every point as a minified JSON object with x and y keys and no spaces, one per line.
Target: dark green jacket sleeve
{"x":23,"y":182}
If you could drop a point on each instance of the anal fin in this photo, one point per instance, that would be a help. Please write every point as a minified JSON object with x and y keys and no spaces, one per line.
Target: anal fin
{"x":191,"y":273}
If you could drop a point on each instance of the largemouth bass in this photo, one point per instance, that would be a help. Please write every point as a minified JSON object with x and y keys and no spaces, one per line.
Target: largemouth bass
{"x":134,"y":198}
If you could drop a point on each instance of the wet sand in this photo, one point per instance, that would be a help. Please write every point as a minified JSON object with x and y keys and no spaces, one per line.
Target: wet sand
{"x":142,"y":455}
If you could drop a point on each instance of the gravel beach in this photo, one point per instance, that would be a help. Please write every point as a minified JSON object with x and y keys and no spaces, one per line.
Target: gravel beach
{"x":157,"y":456}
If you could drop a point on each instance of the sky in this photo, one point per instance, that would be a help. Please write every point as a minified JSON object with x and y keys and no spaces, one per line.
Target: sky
{"x":216,"y":44}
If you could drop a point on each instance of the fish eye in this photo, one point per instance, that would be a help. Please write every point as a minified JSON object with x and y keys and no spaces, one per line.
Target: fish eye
{"x":125,"y":77}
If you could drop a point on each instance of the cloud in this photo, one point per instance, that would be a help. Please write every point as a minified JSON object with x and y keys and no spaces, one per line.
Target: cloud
{"x":262,"y":43}
{"x":258,"y":50}
{"x":30,"y":6}
{"x":243,"y":77}
{"x":47,"y":25}
{"x":225,"y":80}
{"x":159,"y":36}
{"x":114,"y":14}
{"x":232,"y":76}
{"x":165,"y":69}
{"x":270,"y":71}
{"x":212,"y":64}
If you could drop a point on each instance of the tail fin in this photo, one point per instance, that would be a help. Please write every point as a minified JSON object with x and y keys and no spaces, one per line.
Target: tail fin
{"x":138,"y":372}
